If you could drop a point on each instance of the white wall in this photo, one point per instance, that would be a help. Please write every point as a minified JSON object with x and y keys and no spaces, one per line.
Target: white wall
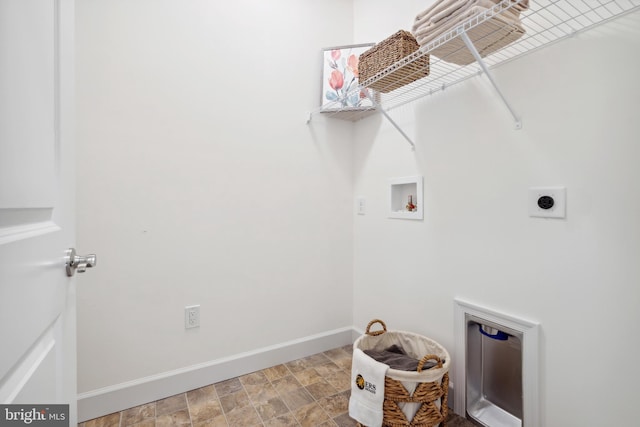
{"x":199,"y":182}
{"x":578,"y":277}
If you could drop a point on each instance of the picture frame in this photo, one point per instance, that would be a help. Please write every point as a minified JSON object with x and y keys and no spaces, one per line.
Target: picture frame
{"x":340,"y":85}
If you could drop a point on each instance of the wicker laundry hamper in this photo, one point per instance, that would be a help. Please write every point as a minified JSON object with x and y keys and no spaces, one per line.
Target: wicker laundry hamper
{"x":388,"y":52}
{"x":429,"y":399}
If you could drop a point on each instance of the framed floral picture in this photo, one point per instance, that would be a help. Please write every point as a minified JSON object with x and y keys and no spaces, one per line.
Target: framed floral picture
{"x":340,"y":89}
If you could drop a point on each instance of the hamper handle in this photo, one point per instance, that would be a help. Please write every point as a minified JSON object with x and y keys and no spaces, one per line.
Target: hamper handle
{"x":374,"y":333}
{"x":427,"y":358}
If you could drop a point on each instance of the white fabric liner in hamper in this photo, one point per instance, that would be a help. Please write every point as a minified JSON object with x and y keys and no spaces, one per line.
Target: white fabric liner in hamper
{"x":415,"y":345}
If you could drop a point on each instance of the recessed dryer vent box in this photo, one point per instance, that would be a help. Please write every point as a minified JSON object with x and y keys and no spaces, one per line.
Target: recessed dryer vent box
{"x":405,"y":197}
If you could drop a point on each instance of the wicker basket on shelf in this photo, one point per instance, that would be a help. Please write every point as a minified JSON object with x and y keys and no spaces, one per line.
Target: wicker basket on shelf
{"x":426,"y":405}
{"x":387,"y":53}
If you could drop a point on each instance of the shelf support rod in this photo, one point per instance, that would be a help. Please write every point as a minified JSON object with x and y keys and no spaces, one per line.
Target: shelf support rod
{"x":486,"y":71}
{"x":384,"y":113}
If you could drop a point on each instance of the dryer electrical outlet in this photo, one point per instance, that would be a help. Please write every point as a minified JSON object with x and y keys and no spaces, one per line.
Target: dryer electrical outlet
{"x":548,"y":202}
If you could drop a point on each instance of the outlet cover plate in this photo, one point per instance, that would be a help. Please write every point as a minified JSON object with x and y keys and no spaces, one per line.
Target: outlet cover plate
{"x":361,"y":205}
{"x":556,"y":195}
{"x":192,"y":316}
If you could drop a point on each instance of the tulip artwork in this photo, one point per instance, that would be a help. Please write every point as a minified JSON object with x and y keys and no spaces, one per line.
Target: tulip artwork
{"x":340,"y":87}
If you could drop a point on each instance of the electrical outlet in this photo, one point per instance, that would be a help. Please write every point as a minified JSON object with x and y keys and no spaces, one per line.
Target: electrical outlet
{"x":548,"y":202}
{"x":192,"y":316}
{"x":360,"y":205}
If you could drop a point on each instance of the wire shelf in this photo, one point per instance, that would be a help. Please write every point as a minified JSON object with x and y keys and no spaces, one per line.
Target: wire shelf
{"x":545,"y":22}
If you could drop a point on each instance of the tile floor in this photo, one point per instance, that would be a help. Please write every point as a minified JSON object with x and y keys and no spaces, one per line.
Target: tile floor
{"x":308,"y":392}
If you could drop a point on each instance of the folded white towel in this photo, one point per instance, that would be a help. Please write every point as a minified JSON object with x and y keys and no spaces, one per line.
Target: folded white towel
{"x":367,"y":389}
{"x":442,"y":9}
{"x":425,"y":17}
{"x":448,"y":9}
{"x":427,"y":34}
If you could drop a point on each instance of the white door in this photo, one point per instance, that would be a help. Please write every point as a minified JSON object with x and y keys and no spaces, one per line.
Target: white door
{"x":37,"y":299}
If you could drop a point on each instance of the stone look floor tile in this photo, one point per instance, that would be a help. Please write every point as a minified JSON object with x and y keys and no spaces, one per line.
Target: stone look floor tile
{"x":297,"y":398}
{"x":254,"y":378}
{"x":203,"y":393}
{"x":316,"y":359}
{"x":335,"y":405}
{"x":204,"y":410}
{"x":272,"y":408}
{"x":261,"y":393}
{"x":286,"y":384}
{"x":309,"y":392}
{"x":138,"y":414}
{"x":233,"y":401}
{"x":171,"y":404}
{"x":308,"y":376}
{"x":327,"y":368}
{"x":345,"y":420}
{"x":311,"y":415}
{"x":148,"y":423}
{"x":296,"y":366}
{"x":112,"y":420}
{"x":220,"y":421}
{"x":276,"y":372}
{"x":287,"y":420}
{"x":341,"y":381}
{"x":339,"y":353}
{"x":228,"y":387}
{"x":179,"y":418}
{"x":344,"y":364}
{"x":243,"y":416}
{"x":321,"y":389}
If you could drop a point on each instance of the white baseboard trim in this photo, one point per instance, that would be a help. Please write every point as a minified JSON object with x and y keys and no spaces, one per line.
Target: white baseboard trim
{"x":97,"y":403}
{"x":356,"y":333}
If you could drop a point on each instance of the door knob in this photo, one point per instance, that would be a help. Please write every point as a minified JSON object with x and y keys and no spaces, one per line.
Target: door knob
{"x":77,"y":262}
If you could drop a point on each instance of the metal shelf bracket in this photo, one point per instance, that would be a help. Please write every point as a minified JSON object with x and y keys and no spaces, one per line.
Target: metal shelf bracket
{"x":485,"y":70}
{"x":388,"y":117}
